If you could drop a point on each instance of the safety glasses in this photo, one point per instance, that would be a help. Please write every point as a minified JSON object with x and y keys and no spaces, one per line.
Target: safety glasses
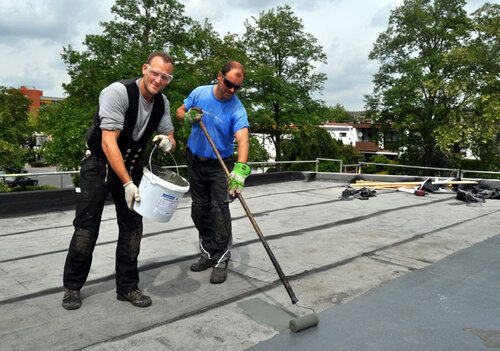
{"x":165,"y":77}
{"x":230,"y":85}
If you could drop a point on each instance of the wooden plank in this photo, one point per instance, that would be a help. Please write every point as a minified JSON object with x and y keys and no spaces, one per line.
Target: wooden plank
{"x":369,"y":184}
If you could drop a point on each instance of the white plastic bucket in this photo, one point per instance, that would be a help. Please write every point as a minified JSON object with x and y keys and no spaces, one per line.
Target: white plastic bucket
{"x":160,"y":197}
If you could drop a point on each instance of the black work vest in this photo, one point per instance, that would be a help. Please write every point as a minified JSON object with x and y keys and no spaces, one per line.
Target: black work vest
{"x":131,"y":150}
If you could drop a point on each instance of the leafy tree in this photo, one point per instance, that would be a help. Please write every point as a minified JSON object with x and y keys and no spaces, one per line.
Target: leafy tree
{"x":15,"y":130}
{"x":338,"y":113}
{"x":207,"y":53}
{"x":139,"y":28}
{"x":350,"y":155}
{"x":417,"y":89}
{"x":480,"y":60}
{"x":308,"y":144}
{"x":282,"y":74}
{"x":68,"y":137}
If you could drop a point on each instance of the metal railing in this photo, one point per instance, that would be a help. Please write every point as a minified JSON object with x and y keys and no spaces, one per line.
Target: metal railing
{"x":357,"y":165}
{"x":463,"y":171}
{"x":329,"y":160}
{"x":451,"y":170}
{"x":57,"y":173}
{"x":459,"y":173}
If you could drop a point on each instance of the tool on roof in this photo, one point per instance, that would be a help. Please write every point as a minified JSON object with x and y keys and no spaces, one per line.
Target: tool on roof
{"x":296,"y":324}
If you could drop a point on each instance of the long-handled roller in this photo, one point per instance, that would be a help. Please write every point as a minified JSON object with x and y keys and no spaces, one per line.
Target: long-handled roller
{"x":296,"y":324}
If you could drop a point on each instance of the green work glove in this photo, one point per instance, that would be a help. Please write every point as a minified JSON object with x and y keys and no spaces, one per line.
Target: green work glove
{"x":192,"y":116}
{"x":237,"y":178}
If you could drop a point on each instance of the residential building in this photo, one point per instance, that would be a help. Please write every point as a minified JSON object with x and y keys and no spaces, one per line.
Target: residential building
{"x":360,"y":135}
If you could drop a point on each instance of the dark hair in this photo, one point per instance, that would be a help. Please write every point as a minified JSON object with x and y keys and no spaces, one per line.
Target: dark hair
{"x":166,"y":57}
{"x":233,"y":65}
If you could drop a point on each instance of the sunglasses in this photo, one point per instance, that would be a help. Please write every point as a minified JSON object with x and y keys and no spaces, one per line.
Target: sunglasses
{"x":165,"y":77}
{"x":230,"y":85}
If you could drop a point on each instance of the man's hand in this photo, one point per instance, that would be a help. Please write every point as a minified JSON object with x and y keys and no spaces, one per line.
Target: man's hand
{"x":237,"y":177}
{"x":163,"y":142}
{"x":131,"y":194}
{"x":192,"y":116}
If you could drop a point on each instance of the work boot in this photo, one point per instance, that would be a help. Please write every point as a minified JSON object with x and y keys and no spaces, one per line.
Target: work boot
{"x":71,"y":299}
{"x":202,"y":264}
{"x":136,"y":297}
{"x":219,"y":275}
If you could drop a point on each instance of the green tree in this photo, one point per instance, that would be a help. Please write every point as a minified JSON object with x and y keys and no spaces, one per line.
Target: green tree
{"x":308,"y":144}
{"x":67,"y":123}
{"x":338,"y":113}
{"x":480,"y":74}
{"x":138,"y":28}
{"x":15,"y":130}
{"x":350,"y":155}
{"x":207,"y":53}
{"x":416,"y":90}
{"x":282,"y":75}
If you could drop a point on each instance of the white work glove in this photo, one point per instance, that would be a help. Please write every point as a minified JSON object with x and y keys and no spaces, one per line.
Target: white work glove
{"x":131,"y":194}
{"x":163,"y":142}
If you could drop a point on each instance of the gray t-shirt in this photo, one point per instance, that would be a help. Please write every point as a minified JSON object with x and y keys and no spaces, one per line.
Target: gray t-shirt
{"x":113,"y":103}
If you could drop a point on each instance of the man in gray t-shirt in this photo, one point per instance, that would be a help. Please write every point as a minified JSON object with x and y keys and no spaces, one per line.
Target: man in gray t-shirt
{"x":129,"y":112}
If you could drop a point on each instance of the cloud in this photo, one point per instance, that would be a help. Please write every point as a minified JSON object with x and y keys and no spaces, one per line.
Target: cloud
{"x":381,"y":17}
{"x":34,"y":32}
{"x":302,"y":5}
{"x":49,"y":20}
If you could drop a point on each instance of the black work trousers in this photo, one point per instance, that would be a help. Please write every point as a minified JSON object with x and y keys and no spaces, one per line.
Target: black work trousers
{"x":210,"y":207}
{"x":97,"y":180}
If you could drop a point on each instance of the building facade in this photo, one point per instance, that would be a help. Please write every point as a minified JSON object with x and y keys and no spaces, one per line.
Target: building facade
{"x":37,"y":98}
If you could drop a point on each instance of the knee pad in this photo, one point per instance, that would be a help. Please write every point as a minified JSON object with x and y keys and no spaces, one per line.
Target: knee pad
{"x":130,"y":242}
{"x":83,"y":242}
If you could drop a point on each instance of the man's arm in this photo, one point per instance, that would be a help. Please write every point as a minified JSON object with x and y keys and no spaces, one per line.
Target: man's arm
{"x":113,"y":154}
{"x":243,"y":144}
{"x":180,"y":113}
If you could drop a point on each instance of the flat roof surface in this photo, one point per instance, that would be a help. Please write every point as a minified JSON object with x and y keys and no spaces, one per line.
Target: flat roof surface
{"x":394,"y":272}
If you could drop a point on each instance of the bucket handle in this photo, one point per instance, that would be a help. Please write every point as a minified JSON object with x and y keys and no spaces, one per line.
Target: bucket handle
{"x":151,"y":155}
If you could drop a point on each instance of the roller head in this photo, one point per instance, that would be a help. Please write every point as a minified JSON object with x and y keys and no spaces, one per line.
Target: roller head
{"x":304,"y":322}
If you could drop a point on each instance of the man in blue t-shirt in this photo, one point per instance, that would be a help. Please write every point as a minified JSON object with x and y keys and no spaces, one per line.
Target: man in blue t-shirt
{"x":226,"y":120}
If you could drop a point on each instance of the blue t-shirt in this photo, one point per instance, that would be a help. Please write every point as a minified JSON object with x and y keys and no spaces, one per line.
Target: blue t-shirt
{"x":221,"y":118}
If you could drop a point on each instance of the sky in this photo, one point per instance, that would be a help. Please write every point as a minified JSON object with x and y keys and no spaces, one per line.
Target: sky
{"x":34,"y":32}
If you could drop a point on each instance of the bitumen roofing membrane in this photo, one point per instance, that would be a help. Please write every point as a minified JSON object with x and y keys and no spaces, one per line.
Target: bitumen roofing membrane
{"x":394,"y":272}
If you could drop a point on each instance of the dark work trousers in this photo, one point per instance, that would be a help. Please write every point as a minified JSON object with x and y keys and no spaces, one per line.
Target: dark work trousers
{"x":97,"y":179}
{"x":210,"y":208}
